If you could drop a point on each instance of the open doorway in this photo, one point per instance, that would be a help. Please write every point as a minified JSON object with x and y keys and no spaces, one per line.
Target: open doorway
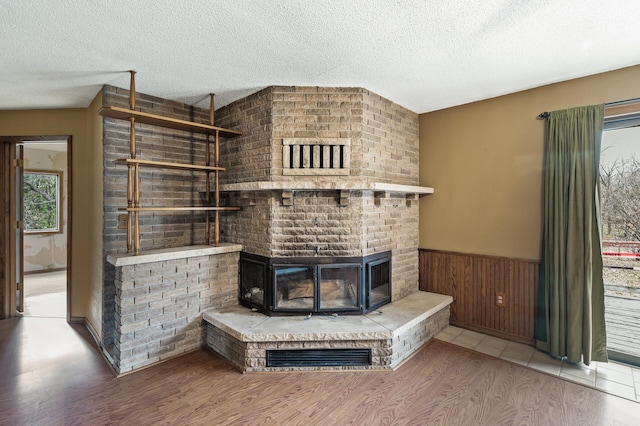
{"x":36,"y":199}
{"x":45,"y":228}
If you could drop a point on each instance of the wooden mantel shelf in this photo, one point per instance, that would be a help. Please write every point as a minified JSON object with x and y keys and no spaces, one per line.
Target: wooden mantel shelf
{"x":167,"y":122}
{"x":346,"y":185}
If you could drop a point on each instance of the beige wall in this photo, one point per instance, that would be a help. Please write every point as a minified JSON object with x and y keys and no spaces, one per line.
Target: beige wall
{"x":485,"y":162}
{"x":85,"y":127}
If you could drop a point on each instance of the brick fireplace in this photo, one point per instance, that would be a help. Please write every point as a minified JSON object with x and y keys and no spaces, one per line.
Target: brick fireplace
{"x":325,"y":177}
{"x":324,"y":173}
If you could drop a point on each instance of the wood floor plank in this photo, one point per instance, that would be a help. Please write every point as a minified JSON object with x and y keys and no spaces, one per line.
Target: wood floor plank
{"x":442,"y":384}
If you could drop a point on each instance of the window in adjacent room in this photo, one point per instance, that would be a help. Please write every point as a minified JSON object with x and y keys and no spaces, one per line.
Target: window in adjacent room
{"x":42,"y":200}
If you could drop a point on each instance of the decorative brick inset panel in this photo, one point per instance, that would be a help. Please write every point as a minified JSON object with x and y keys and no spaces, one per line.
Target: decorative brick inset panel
{"x":329,"y":113}
{"x":316,"y":157}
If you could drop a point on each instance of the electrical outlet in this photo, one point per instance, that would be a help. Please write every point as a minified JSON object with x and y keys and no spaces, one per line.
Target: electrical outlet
{"x":501,"y":299}
{"x":123,"y":221}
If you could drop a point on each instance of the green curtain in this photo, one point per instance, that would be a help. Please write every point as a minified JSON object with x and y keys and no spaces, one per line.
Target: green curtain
{"x":570,"y":312}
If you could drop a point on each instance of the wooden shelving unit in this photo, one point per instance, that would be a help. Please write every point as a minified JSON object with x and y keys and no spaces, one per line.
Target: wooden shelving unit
{"x":167,"y":165}
{"x":170,"y":123}
{"x":177,"y":209}
{"x":133,"y":164}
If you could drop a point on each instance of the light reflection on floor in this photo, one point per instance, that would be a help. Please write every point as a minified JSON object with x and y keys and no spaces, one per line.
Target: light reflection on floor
{"x":45,"y":295}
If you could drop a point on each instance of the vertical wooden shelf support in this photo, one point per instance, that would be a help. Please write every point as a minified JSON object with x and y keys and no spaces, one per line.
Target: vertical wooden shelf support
{"x":132,"y":181}
{"x":216,"y":173}
{"x":208,"y":163}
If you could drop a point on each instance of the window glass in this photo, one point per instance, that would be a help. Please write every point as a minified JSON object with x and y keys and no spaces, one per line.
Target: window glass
{"x":42,"y":201}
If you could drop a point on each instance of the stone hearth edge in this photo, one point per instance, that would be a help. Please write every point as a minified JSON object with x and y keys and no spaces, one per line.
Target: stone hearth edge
{"x":393,"y":333}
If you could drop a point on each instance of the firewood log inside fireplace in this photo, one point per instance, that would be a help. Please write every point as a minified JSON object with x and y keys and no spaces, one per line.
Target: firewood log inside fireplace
{"x":299,"y":289}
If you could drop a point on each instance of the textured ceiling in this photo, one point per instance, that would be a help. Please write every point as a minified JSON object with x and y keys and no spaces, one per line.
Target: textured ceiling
{"x":423,"y":54}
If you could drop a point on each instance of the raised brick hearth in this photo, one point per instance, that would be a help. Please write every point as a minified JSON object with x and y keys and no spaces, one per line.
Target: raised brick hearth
{"x":392,"y":334}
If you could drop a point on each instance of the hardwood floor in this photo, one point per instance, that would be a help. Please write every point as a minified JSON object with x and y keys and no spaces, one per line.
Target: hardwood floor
{"x":53,"y":375}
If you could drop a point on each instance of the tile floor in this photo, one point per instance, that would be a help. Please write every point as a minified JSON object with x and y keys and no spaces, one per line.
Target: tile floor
{"x":612,"y":377}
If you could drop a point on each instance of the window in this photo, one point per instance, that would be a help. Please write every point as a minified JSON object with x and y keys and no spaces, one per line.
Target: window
{"x":620,"y":196}
{"x":42,"y":200}
{"x":620,"y":183}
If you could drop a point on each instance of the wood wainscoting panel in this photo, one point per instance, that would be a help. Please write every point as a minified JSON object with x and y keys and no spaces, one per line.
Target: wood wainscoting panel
{"x":475,"y":282}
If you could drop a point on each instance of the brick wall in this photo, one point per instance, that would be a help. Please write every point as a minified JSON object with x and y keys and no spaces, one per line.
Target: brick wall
{"x":316,"y":226}
{"x":158,"y":306}
{"x":158,"y":188}
{"x":390,"y":222}
{"x":247,"y":157}
{"x":383,"y":140}
{"x":250,"y":226}
{"x":383,"y":143}
{"x":316,"y":112}
{"x":383,"y":135}
{"x":412,"y":339}
{"x":390,"y":149}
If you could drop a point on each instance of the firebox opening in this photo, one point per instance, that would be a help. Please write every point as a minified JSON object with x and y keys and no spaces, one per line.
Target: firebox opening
{"x":315,"y":285}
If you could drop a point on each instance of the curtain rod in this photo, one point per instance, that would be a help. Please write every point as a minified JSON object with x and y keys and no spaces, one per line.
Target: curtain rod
{"x":544,"y":115}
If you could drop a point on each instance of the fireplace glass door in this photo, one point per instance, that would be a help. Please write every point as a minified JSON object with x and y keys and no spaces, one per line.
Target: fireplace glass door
{"x":379,"y":283}
{"x":253,"y":280}
{"x":315,"y":285}
{"x":317,"y":288}
{"x":295,"y":288}
{"x":338,"y":287}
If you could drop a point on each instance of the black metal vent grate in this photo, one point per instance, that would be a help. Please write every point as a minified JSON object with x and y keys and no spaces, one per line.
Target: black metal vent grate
{"x":318,"y":357}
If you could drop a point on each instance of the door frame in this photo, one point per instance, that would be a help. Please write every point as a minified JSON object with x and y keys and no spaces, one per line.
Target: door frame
{"x":7,"y":236}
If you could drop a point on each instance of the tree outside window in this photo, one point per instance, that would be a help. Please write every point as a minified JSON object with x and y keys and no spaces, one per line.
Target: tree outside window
{"x":620,"y":184}
{"x":42,"y":195}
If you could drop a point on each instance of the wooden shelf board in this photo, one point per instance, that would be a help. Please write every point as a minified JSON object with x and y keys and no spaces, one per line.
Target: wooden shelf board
{"x":177,"y":209}
{"x":168,"y":165}
{"x":170,"y":123}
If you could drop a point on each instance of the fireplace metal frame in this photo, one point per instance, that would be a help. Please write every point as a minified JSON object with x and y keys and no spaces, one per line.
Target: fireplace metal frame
{"x":267,"y":275}
{"x":317,"y":299}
